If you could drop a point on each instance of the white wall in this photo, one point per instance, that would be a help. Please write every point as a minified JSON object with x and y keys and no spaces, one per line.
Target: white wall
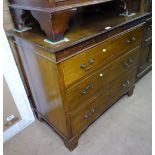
{"x":13,"y":79}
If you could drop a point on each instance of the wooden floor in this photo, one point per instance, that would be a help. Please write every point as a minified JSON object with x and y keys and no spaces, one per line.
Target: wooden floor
{"x":125,"y":129}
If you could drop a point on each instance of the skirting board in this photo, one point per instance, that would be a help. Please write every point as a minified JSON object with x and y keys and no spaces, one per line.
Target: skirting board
{"x":15,"y":129}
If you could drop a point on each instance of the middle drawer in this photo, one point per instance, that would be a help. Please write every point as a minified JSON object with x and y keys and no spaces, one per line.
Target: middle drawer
{"x":98,"y":82}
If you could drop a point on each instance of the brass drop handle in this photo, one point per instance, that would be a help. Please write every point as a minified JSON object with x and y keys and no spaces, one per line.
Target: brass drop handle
{"x":88,"y":115}
{"x":126,"y":83}
{"x":131,"y":39}
{"x":91,"y":61}
{"x":86,"y":90}
{"x":88,"y":66}
{"x":83,"y":66}
{"x":128,"y":63}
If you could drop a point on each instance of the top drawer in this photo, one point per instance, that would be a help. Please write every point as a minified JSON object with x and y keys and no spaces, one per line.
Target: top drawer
{"x":89,"y":60}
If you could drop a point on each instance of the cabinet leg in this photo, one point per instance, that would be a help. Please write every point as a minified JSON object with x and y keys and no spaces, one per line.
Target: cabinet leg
{"x":21,"y":18}
{"x":54,"y":24}
{"x":17,"y":17}
{"x":130,"y":92}
{"x":71,"y":144}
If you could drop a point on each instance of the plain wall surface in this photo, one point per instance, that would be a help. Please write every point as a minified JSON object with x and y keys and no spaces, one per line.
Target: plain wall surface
{"x":7,"y":21}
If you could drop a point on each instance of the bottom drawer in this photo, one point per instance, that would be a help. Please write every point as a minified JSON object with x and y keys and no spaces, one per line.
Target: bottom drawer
{"x":83,"y":117}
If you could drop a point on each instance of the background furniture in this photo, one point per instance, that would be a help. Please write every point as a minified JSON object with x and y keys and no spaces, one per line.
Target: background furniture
{"x":145,"y":61}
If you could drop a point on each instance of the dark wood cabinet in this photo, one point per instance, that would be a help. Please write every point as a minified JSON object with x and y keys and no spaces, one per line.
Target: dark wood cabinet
{"x":48,"y":13}
{"x":145,"y":60}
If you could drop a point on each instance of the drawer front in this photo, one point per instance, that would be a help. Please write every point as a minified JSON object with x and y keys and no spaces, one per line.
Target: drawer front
{"x":124,"y":82}
{"x":88,"y":88}
{"x":85,"y":62}
{"x":98,"y":83}
{"x":125,"y":63}
{"x":83,"y":117}
{"x":119,"y":87}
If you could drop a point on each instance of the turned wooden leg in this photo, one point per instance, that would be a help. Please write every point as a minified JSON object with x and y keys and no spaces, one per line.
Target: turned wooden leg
{"x":130,"y":92}
{"x":71,"y":144}
{"x":54,"y":24}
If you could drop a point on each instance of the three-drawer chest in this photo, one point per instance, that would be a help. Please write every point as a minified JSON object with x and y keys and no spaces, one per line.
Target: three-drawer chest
{"x":74,"y":81}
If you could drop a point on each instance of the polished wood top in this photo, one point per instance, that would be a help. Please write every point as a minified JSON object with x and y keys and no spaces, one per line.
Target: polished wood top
{"x":79,"y":32}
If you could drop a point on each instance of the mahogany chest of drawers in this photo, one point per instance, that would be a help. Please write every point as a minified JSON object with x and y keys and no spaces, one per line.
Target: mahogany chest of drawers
{"x":72,"y":83}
